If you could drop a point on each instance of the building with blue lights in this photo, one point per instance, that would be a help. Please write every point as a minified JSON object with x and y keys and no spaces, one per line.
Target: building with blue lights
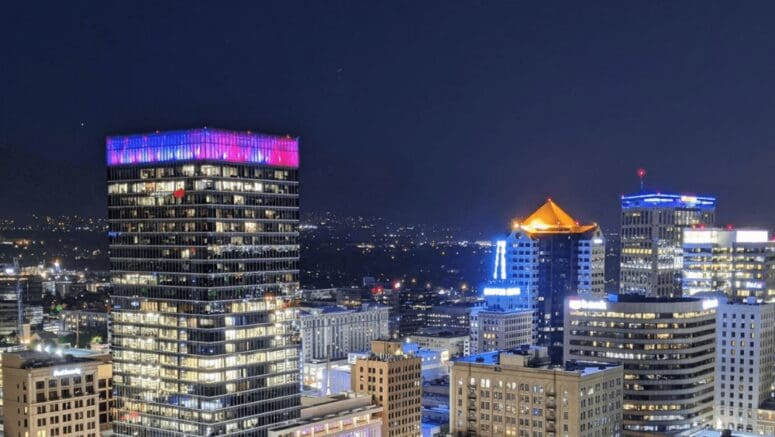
{"x":547,"y":257}
{"x":651,"y":240}
{"x":204,"y":253}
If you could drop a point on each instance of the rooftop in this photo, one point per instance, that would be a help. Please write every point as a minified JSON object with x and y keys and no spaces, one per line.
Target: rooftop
{"x":532,"y":357}
{"x":667,"y":200}
{"x":31,"y":359}
{"x":203,"y":144}
{"x":551,"y":219}
{"x":441,"y":332}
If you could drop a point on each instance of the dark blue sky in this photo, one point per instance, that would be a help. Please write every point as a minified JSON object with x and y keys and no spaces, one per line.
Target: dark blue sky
{"x":464,"y":113}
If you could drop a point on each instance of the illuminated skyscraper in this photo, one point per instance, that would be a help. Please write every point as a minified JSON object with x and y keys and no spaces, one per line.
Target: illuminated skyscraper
{"x":651,"y":234}
{"x":739,"y":263}
{"x":667,"y":347}
{"x":548,"y":257}
{"x":204,"y":254}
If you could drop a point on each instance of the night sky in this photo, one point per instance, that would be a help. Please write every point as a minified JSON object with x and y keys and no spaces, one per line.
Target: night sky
{"x":458,"y":113}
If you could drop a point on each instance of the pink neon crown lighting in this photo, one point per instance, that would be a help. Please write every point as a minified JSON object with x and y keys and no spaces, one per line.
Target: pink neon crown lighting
{"x":203,"y":144}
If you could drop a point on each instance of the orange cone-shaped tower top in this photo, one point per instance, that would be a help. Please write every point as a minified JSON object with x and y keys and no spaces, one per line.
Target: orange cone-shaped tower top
{"x":551,"y":219}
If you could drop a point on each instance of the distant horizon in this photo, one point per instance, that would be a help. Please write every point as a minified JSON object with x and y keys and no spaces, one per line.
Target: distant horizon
{"x":458,"y":113}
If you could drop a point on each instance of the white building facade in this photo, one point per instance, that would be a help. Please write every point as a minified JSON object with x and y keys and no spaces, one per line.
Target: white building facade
{"x":330,"y":333}
{"x":745,"y":364}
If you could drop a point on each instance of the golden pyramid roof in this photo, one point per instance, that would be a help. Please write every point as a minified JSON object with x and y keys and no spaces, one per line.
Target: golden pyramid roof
{"x":551,"y":219}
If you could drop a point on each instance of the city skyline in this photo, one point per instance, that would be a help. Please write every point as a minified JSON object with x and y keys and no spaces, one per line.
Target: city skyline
{"x":409,"y":105}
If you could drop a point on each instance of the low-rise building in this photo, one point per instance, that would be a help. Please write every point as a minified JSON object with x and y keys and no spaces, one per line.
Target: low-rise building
{"x":341,"y":415}
{"x":457,"y":342}
{"x":518,"y":393}
{"x":332,"y":332}
{"x":457,"y":316}
{"x":56,"y":393}
{"x":494,"y":329}
{"x":393,"y":380}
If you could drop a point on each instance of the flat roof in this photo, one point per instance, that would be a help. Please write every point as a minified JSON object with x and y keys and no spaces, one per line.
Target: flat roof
{"x":31,"y":359}
{"x":667,"y":200}
{"x":494,"y":359}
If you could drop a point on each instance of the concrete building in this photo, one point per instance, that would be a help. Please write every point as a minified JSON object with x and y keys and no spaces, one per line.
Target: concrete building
{"x":739,"y":263}
{"x":667,"y":347}
{"x":393,"y":380}
{"x":204,"y":259}
{"x":332,"y":332}
{"x":3,"y":351}
{"x":456,"y":342}
{"x":340,"y":415}
{"x":56,"y":394}
{"x":745,"y":364}
{"x":547,"y":257}
{"x":494,"y":329}
{"x":518,"y":393}
{"x":651,"y":238}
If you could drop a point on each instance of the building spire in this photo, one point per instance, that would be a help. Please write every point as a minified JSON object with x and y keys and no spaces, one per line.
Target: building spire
{"x":641,"y":172}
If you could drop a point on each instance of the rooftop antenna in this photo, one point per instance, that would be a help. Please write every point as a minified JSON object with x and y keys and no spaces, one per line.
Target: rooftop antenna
{"x":641,"y":172}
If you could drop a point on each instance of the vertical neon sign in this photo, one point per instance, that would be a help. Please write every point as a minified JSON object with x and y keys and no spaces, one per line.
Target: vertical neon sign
{"x":500,"y":259}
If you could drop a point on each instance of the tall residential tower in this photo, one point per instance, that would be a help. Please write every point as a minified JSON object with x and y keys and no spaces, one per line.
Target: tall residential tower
{"x":204,"y":253}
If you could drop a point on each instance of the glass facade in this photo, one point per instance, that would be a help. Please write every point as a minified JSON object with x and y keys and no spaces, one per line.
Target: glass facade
{"x":651,"y":235}
{"x":204,"y":258}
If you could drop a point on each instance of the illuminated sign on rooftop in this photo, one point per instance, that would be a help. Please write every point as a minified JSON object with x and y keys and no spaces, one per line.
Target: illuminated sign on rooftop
{"x":724,"y":236}
{"x":67,"y":372}
{"x":582,"y":304}
{"x":495,"y":291}
{"x":201,"y":145}
{"x":500,"y":260}
{"x":751,"y":236}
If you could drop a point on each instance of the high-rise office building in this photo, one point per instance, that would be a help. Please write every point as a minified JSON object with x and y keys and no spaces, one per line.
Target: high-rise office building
{"x":203,"y":229}
{"x":739,"y":263}
{"x":667,"y":347}
{"x":330,"y":333}
{"x":651,"y":237}
{"x":393,"y":379}
{"x":745,"y":363}
{"x":517,"y":393}
{"x":548,"y":256}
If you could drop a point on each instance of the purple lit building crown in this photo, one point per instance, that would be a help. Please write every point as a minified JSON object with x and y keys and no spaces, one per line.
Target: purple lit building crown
{"x":203,"y":145}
